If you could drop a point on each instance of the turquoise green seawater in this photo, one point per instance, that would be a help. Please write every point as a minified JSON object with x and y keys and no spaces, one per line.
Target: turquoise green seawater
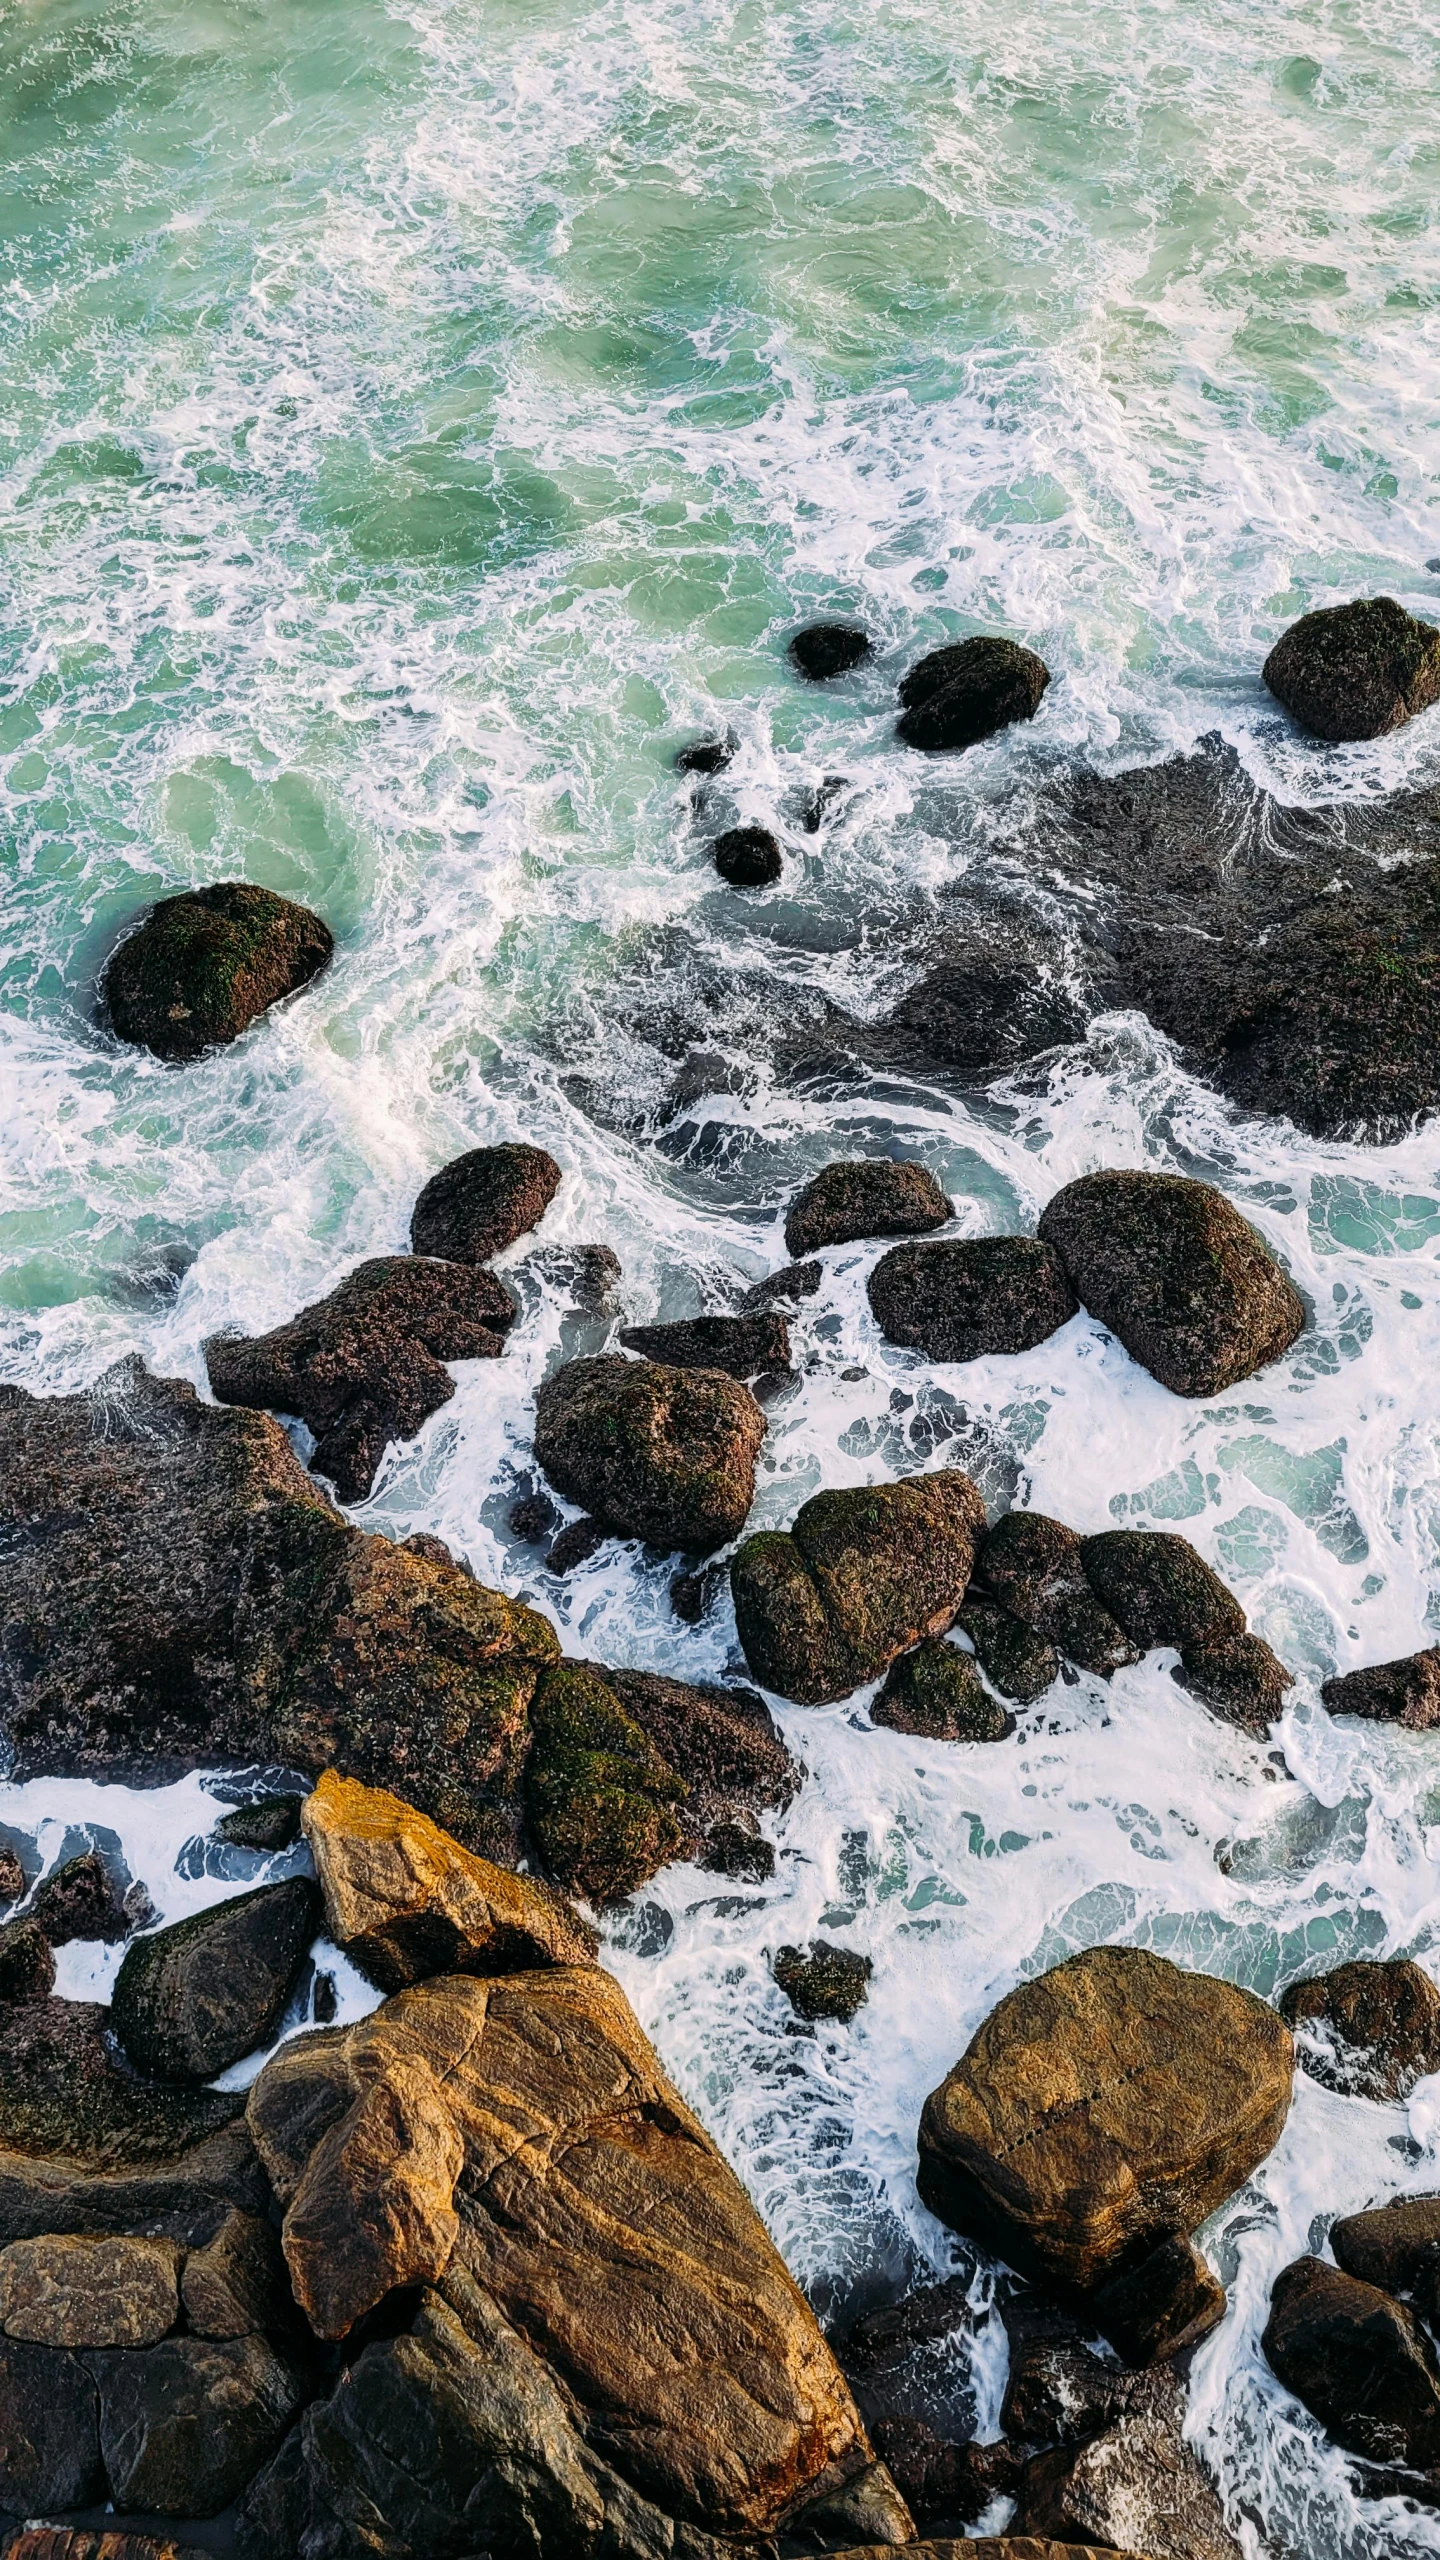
{"x":415,"y":423}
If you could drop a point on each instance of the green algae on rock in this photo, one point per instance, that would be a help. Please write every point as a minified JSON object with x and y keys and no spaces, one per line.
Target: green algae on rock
{"x":861,"y":1576}
{"x":1183,"y":1281}
{"x":654,"y":1452}
{"x":598,"y":1793}
{"x":201,"y":967}
{"x":1356,"y":670}
{"x":936,"y":1693}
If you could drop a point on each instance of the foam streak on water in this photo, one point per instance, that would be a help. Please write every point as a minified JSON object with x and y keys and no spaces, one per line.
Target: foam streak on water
{"x":414,"y":422}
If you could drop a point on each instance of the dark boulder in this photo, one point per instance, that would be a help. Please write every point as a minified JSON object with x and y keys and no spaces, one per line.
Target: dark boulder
{"x":1161,"y":2305}
{"x":27,"y":1967}
{"x":1138,"y":2485}
{"x":978,"y":1014}
{"x":859,"y":1578}
{"x":944,"y":2485}
{"x":80,"y":1900}
{"x":1060,"y":2392}
{"x":1237,"y":1677}
{"x":273,"y":1822}
{"x":1356,"y":670}
{"x":785,"y":1287}
{"x":1388,"y":2245}
{"x":823,"y":1981}
{"x":202,"y":966}
{"x":480,"y":1202}
{"x":1033,"y":1566}
{"x":237,"y":2284}
{"x":64,"y":2098}
{"x":743,"y":1346}
{"x":1172,"y":1268}
{"x":707,"y":755}
{"x":576,"y":1544}
{"x":1370,"y":2030}
{"x":365,"y":1366}
{"x":179,"y":2186}
{"x":881,"y":2340}
{"x":724,"y":1743}
{"x":964,"y":693}
{"x":1358,"y":2362}
{"x":1158,"y":1588}
{"x":748,"y":857}
{"x":1016,"y":1660}
{"x":875,"y":1197}
{"x":968,"y":1300}
{"x":185,"y":2426}
{"x":937,"y":1693}
{"x":601,"y":1799}
{"x":191,"y":1999}
{"x":826,"y":649}
{"x":735,"y":1851}
{"x":1106,"y":2099}
{"x":1406,"y":1692}
{"x":658,"y":1453}
{"x":49,"y":2430}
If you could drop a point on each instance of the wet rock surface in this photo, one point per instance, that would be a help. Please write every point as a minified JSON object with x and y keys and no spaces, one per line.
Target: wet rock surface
{"x":746,"y":1346}
{"x":191,"y":1999}
{"x":872,"y":1197}
{"x":1158,"y":1589}
{"x":366,"y":1365}
{"x":724,"y":1744}
{"x":49,"y":2430}
{"x":80,"y":1900}
{"x":1388,"y":2245}
{"x":1356,"y":670}
{"x":1371,"y":2030}
{"x":1405,"y":1692}
{"x":602,"y":1801}
{"x":655,"y":1452}
{"x":181,"y":2186}
{"x":748,"y":857}
{"x":185,"y":2426}
{"x":237,"y":2285}
{"x":823,"y":1981}
{"x":199,"y":969}
{"x":1172,"y":1268}
{"x":273,"y":1822}
{"x":1138,"y":2484}
{"x":936,"y":1692}
{"x":1358,"y":2361}
{"x":959,"y":695}
{"x":826,"y":649}
{"x":1238,"y":1677}
{"x":482,"y":1201}
{"x":75,"y":2290}
{"x":859,"y":1578}
{"x":1016,"y":1659}
{"x":63,"y":2097}
{"x":1163,"y":2304}
{"x":1111,"y":2095}
{"x":786,"y":1287}
{"x":1033,"y":1566}
{"x":27,"y":1966}
{"x":971,"y":1299}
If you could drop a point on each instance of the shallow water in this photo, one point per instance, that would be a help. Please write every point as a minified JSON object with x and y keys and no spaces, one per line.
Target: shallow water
{"x":416,"y":423}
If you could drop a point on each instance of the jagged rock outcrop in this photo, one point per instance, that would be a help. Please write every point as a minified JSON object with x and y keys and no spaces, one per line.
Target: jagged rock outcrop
{"x":366,"y":1365}
{"x":1356,"y":670}
{"x":858,"y":1578}
{"x":973,"y":1298}
{"x":871,"y":1197}
{"x":1111,"y":2099}
{"x":1183,"y":1281}
{"x":958,"y":695}
{"x":1406,"y":1692}
{"x":200,"y":967}
{"x":482,"y":1201}
{"x":653,"y":1452}
{"x":1369,"y":2029}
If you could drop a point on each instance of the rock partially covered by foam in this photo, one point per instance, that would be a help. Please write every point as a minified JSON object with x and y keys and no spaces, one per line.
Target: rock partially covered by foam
{"x":191,"y":1999}
{"x":1356,"y":670}
{"x":967,"y":692}
{"x":973,"y":1298}
{"x":1405,"y":1692}
{"x":1359,"y":2362}
{"x":202,"y":966}
{"x":859,"y":1578}
{"x":1194,"y":1294}
{"x":1371,"y":2029}
{"x":653,"y":1452}
{"x":872,"y":1197}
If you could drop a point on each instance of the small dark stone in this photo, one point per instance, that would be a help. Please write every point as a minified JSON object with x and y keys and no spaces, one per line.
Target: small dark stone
{"x":533,"y":1518}
{"x":1019,"y":1663}
{"x":821,"y":801}
{"x":655,"y":1452}
{"x":1168,"y":2302}
{"x":743,"y":1346}
{"x":272,"y":1823}
{"x":943,"y":2485}
{"x":49,"y":2430}
{"x":1371,"y":2030}
{"x":1137,"y":2486}
{"x":1189,"y":1288}
{"x":434,"y":1550}
{"x":1387,"y":2245}
{"x":591,"y":1273}
{"x":12,"y":1874}
{"x":1158,"y":1588}
{"x":964,"y":693}
{"x":185,"y":2426}
{"x":1032,"y":1565}
{"x":828,"y":1982}
{"x":968,"y":1300}
{"x":1356,"y":670}
{"x":1237,"y":1677}
{"x":80,"y":1900}
{"x":693,"y":1595}
{"x":883,"y":2338}
{"x":1358,"y":2362}
{"x":707,"y":755}
{"x":191,"y":1999}
{"x":937,"y":1693}
{"x":1059,"y":2392}
{"x":203,"y":965}
{"x":366,"y":1365}
{"x":27,"y":1967}
{"x":1406,"y":1692}
{"x":826,"y":649}
{"x":748,"y":857}
{"x":783,"y":1288}
{"x":875,"y":1197}
{"x":325,"y":1999}
{"x":480,"y":1202}
{"x":733,"y":1851}
{"x":576,"y":1545}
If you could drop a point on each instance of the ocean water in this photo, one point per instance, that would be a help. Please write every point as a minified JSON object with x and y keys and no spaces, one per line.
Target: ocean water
{"x":416,"y":422}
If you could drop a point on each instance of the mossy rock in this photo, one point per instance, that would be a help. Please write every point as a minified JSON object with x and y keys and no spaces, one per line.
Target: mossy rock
{"x":1356,"y":670}
{"x":600,"y":1797}
{"x":1184,"y":1281}
{"x":937,"y":1693}
{"x":1017,"y":1661}
{"x":203,"y":965}
{"x":654,"y":1452}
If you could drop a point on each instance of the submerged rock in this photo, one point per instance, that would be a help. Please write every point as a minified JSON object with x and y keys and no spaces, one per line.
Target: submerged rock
{"x":1111,"y":2096}
{"x":978,"y":1014}
{"x":405,"y":1901}
{"x":655,"y":1452}
{"x":1369,"y":2029}
{"x":707,"y":755}
{"x":1193,"y":1293}
{"x":874,"y":1197}
{"x":961,"y":694}
{"x":785,"y":1287}
{"x":1033,"y":1566}
{"x":1016,"y":1659}
{"x":482,"y":1201}
{"x":1358,"y":2361}
{"x":826,"y":649}
{"x":1406,"y":1692}
{"x":1138,"y":2484}
{"x":748,"y":857}
{"x":613,"y":2340}
{"x":80,"y":1900}
{"x":859,"y":1578}
{"x":969,"y":1300}
{"x":1356,"y":670}
{"x":202,"y":966}
{"x":365,"y":1366}
{"x":743,"y":1346}
{"x":83,"y":2290}
{"x":191,"y":1999}
{"x":936,"y":1692}
{"x":823,"y":1981}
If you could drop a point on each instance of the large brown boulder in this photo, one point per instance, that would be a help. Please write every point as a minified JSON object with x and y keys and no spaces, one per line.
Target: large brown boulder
{"x":1110,"y":2100}
{"x":1388,"y":2245}
{"x":1190,"y":1289}
{"x":972,"y":1298}
{"x":515,"y":2144}
{"x":200,"y":967}
{"x":658,"y":1453}
{"x":1359,"y":2361}
{"x":859,"y":1578}
{"x":366,"y":1365}
{"x":1367,"y":2028}
{"x":89,"y":2290}
{"x":1356,"y":670}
